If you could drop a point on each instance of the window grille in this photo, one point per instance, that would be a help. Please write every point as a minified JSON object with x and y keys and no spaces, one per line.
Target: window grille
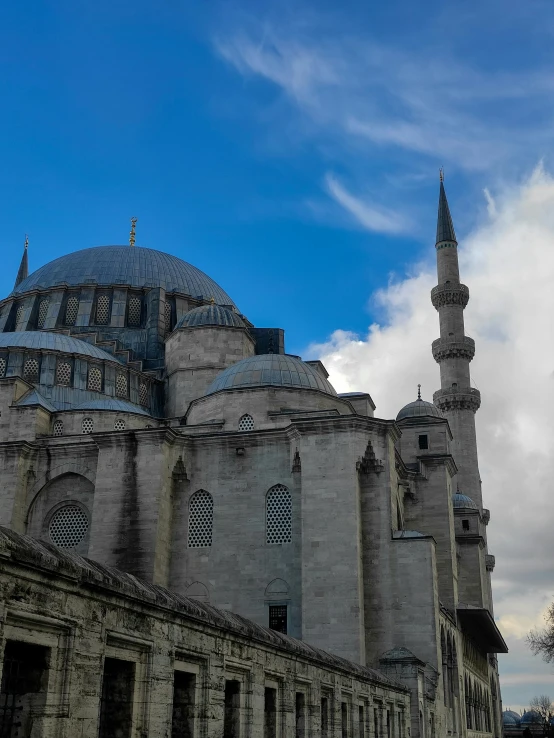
{"x":119,"y":425}
{"x":279,"y":515}
{"x":63,"y":373}
{"x":134,"y":311}
{"x":102,"y":310}
{"x":278,"y":618}
{"x":42,"y":312}
{"x":246,"y":423}
{"x":19,"y":315}
{"x":201,"y":514}
{"x":68,"y":526}
{"x":71,"y":310}
{"x":87,"y":426}
{"x":94,"y":379}
{"x":2,"y":366}
{"x":167,"y":316}
{"x":143,"y":393}
{"x":58,"y":428}
{"x":121,"y":385}
{"x":30,"y":370}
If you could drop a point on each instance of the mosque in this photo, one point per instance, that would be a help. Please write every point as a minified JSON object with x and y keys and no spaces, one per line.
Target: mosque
{"x":170,"y":475}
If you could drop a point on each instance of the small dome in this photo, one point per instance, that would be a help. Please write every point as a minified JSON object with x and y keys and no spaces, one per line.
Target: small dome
{"x":463,"y":501}
{"x":419,"y":409}
{"x":531,"y":716}
{"x":113,"y":405}
{"x":38,"y":340}
{"x":211,"y":315}
{"x":509,"y":717}
{"x":271,"y":370}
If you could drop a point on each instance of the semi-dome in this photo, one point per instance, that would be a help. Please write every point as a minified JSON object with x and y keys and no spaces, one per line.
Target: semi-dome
{"x":419,"y":409}
{"x":211,"y":315}
{"x":463,"y":501}
{"x":138,"y":267}
{"x":271,"y":370}
{"x":41,"y":340}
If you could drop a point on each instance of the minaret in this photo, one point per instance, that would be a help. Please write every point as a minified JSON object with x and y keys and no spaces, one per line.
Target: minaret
{"x":23,"y":272}
{"x":453,"y":351}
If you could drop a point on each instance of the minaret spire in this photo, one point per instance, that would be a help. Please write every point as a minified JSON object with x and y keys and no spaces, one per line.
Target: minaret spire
{"x":23,"y":272}
{"x":445,"y":226}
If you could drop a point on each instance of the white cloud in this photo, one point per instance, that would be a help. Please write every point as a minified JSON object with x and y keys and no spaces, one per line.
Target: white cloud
{"x":508,"y":264}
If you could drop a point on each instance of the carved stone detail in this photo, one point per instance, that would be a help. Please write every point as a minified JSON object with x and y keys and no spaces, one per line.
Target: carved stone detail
{"x":464,"y":349}
{"x":449,"y":294}
{"x":179,"y":473}
{"x":457,"y":398}
{"x":490,"y":562}
{"x":296,"y":462}
{"x":368,"y":462}
{"x":486,"y":516}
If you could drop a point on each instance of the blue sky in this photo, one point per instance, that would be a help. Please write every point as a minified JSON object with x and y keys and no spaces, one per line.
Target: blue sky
{"x":291,"y":150}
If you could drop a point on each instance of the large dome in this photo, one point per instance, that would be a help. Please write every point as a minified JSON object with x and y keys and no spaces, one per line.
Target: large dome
{"x":137,"y":267}
{"x":271,"y":370}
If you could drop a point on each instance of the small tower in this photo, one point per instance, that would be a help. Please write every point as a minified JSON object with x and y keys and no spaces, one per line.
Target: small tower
{"x":23,"y":272}
{"x":453,"y":351}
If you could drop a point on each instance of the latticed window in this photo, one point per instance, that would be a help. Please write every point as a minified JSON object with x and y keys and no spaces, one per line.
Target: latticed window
{"x":119,"y":424}
{"x":201,"y":516}
{"x":167,"y":316}
{"x":2,"y":366}
{"x":42,"y":312}
{"x":71,"y":310}
{"x":68,"y":527}
{"x":58,"y":428}
{"x":121,"y":385}
{"x":19,"y":314}
{"x":30,"y":370}
{"x":279,"y":515}
{"x":63,"y":373}
{"x":94,"y":379}
{"x":143,"y":394}
{"x":134,"y":311}
{"x":87,"y":426}
{"x":102,"y":310}
{"x":246,"y":423}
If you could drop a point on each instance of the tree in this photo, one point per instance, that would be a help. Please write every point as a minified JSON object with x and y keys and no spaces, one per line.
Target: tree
{"x":541,"y":642}
{"x":542,"y":706}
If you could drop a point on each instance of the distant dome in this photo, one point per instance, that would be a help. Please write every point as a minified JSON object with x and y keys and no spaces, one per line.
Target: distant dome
{"x":510,"y":718}
{"x":419,"y":409}
{"x":271,"y":370}
{"x":531,"y":716}
{"x":137,"y":267}
{"x":463,"y":501}
{"x":211,"y":315}
{"x":38,"y":340}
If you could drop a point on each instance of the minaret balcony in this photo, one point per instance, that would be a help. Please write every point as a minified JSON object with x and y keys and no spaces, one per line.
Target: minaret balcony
{"x":457,"y":398}
{"x":462,"y":348}
{"x":449,"y":294}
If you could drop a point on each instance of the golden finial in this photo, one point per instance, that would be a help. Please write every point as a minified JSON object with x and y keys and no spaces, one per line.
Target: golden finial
{"x":212,"y":301}
{"x":441,"y":174}
{"x":133,"y":231}
{"x":26,"y":241}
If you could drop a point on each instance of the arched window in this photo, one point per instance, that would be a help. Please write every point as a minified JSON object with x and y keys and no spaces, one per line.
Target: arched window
{"x":94,"y":379}
{"x":68,"y":526}
{"x":42,"y":312}
{"x":201,"y":516}
{"x":19,"y":314}
{"x":30,"y":370}
{"x":143,"y":394}
{"x":2,"y":366}
{"x":119,"y":424}
{"x":102,"y":310}
{"x":121,"y":385}
{"x":71,"y":310}
{"x":278,"y":515}
{"x":87,"y":426}
{"x":134,"y":311}
{"x":167,"y":315}
{"x":58,"y":428}
{"x":63,"y":373}
{"x":246,"y":423}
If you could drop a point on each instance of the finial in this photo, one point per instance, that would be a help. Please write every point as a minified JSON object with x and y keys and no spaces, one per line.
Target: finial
{"x":26,"y":241}
{"x":419,"y":392}
{"x":133,"y":231}
{"x":212,"y":301}
{"x":441,"y":174}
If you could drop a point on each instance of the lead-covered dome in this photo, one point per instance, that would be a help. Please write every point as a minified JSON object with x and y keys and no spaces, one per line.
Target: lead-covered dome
{"x":271,"y":370}
{"x":138,"y":267}
{"x":419,"y":409}
{"x":463,"y":501}
{"x":211,"y":315}
{"x":43,"y":341}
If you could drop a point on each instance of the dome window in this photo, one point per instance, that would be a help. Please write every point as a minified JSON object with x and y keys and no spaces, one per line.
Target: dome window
{"x":246,"y":423}
{"x":68,"y":526}
{"x":134,"y":312}
{"x":2,"y":366}
{"x":143,"y":394}
{"x":30,"y":370}
{"x":63,"y":373}
{"x":167,"y":316}
{"x":94,"y":379}
{"x":121,"y":385}
{"x":102,"y":310}
{"x":19,"y":315}
{"x":87,"y":425}
{"x":42,"y":312}
{"x":201,"y":515}
{"x":119,"y":425}
{"x":279,"y":515}
{"x":58,"y":428}
{"x":71,"y":310}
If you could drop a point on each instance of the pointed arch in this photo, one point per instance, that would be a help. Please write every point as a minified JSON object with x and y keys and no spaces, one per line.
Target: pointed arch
{"x":277,"y":589}
{"x":201,"y":515}
{"x":198,"y":591}
{"x":278,"y":515}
